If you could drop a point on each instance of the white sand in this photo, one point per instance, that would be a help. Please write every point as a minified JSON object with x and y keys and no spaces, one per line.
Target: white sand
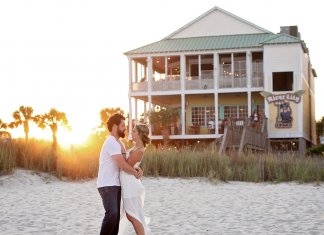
{"x":40,"y":204}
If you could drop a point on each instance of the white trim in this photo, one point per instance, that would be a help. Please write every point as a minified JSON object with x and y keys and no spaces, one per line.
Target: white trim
{"x":287,"y":134}
{"x":193,"y":92}
{"x":198,"y":52}
{"x":180,"y":137}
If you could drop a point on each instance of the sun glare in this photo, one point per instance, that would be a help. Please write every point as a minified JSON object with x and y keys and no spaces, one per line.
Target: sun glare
{"x":65,"y":138}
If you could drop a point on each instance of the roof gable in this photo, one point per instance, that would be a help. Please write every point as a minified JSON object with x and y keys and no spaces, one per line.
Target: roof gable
{"x":216,"y":22}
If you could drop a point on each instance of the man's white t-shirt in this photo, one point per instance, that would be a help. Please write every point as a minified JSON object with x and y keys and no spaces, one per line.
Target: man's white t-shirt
{"x":108,"y":173}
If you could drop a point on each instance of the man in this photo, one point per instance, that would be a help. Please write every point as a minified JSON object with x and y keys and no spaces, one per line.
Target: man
{"x":111,"y":161}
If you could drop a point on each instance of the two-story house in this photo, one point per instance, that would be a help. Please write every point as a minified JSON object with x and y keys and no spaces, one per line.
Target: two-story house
{"x":221,"y":66}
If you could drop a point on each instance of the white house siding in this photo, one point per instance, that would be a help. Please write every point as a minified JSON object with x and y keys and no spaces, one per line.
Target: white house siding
{"x":217,"y":23}
{"x":313,"y":119}
{"x":283,"y":58}
{"x":305,"y":59}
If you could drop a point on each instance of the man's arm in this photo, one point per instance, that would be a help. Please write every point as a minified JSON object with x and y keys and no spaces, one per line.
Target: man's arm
{"x":123,"y":165}
{"x":134,"y":157}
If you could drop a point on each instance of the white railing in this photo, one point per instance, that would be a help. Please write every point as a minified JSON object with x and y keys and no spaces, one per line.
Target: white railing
{"x":206,"y":81}
{"x":165,"y":85}
{"x":139,"y":86}
{"x":200,"y":84}
{"x":226,"y":79}
{"x":229,"y":82}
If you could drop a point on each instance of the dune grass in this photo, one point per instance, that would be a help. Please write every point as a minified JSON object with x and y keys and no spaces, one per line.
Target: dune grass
{"x":82,"y":162}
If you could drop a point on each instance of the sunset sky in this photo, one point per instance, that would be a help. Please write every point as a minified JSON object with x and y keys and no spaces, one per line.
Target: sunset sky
{"x":68,"y":54}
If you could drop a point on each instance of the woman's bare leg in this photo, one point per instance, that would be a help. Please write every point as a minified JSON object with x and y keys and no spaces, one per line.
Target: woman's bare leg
{"x":139,"y":229}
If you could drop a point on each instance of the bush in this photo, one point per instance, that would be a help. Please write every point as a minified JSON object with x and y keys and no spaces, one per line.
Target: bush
{"x":316,"y":150}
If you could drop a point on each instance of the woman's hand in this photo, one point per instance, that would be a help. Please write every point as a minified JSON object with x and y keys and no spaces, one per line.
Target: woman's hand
{"x":139,"y":172}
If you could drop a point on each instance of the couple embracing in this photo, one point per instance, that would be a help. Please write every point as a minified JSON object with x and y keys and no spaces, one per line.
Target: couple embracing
{"x":119,"y":177}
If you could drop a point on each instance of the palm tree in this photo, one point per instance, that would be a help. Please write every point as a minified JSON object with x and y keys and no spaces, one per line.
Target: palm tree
{"x":52,"y":119}
{"x":3,"y":125}
{"x":23,"y":116}
{"x":107,"y":112}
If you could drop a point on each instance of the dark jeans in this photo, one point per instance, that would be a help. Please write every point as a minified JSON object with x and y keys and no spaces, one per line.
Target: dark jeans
{"x":111,"y":201}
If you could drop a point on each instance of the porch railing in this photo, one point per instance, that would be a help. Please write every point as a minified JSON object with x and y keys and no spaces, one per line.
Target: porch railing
{"x":227,"y":79}
{"x":166,"y":85}
{"x":139,"y":86}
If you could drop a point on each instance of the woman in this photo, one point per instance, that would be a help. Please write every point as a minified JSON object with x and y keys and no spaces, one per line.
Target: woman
{"x":133,"y":192}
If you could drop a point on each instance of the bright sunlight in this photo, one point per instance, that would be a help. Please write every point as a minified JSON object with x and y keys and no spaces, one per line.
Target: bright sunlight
{"x":65,"y":137}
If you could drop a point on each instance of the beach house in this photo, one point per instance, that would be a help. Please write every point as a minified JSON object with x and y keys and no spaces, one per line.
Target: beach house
{"x":220,"y":67}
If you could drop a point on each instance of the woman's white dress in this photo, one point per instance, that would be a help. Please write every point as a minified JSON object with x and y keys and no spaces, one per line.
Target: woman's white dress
{"x":133,"y":194}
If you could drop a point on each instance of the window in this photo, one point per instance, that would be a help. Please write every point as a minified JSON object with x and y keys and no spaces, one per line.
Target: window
{"x":282,"y":81}
{"x":202,"y":115}
{"x":236,"y":111}
{"x":243,"y":111}
{"x":230,"y":112}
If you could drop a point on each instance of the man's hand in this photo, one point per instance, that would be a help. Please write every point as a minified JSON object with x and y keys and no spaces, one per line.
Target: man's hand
{"x":139,"y":173}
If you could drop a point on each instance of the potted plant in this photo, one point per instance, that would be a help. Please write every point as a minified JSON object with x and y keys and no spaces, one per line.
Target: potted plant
{"x":164,"y":119}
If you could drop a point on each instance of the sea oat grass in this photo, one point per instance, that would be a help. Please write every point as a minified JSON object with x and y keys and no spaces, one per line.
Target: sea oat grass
{"x":82,"y":162}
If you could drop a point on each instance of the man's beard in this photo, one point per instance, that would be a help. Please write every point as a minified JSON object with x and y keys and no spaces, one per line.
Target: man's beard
{"x":121,"y":134}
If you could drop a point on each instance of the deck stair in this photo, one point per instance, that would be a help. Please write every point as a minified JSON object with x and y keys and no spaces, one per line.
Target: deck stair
{"x":244,"y":135}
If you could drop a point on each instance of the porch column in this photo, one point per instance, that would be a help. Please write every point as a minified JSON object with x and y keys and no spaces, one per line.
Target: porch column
{"x":130,"y":123}
{"x":249,"y":69}
{"x":183,"y":98}
{"x":216,"y":112}
{"x":232,"y":69}
{"x":199,"y":70}
{"x":136,"y":114}
{"x":216,"y":70}
{"x":183,"y":114}
{"x":136,"y":72}
{"x":149,"y":75}
{"x":249,"y":104}
{"x":145,"y":114}
{"x":149,"y":88}
{"x":182,"y":72}
{"x":216,"y":80}
{"x":249,"y":80}
{"x":130,"y":74}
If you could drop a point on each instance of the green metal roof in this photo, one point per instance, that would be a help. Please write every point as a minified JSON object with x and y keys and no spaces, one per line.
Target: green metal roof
{"x":214,"y":43}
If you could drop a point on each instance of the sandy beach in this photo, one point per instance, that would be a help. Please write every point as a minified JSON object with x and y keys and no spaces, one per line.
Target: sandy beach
{"x":37,"y":203}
